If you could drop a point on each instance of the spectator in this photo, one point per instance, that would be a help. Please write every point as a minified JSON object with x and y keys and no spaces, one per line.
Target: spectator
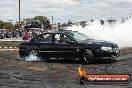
{"x":26,"y":36}
{"x":102,"y":22}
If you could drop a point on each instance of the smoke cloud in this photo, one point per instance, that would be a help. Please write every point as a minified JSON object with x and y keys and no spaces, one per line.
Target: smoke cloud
{"x":119,"y":33}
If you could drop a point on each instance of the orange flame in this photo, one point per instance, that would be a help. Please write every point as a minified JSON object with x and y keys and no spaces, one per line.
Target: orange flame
{"x":81,"y":71}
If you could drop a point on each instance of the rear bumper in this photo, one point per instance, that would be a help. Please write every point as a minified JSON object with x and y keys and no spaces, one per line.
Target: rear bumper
{"x":23,"y":52}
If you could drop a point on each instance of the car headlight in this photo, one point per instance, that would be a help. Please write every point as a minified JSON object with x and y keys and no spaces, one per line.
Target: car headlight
{"x":106,"y":48}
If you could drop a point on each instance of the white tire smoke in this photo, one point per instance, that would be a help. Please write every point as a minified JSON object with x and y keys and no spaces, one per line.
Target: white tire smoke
{"x":119,"y":33}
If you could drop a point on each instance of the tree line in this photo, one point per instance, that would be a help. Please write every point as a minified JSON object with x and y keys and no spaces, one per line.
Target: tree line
{"x":10,"y":26}
{"x":6,"y":25}
{"x":37,"y":21}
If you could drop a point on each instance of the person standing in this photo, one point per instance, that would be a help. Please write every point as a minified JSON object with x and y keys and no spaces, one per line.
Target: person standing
{"x":26,"y":36}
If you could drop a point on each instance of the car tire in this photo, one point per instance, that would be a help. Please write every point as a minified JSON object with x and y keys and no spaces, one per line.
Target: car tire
{"x":88,"y":56}
{"x":34,"y":53}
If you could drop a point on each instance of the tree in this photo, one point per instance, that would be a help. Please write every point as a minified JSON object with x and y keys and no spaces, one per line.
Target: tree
{"x":8,"y":25}
{"x":27,"y":20}
{"x":44,"y":20}
{"x":38,"y":21}
{"x":40,"y":18}
{"x":1,"y":24}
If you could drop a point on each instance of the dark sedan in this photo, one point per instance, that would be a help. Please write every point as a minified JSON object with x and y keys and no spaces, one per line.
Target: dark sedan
{"x":67,"y":45}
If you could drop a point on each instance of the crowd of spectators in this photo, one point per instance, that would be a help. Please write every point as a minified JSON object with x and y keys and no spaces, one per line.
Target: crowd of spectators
{"x":9,"y":34}
{"x":26,"y":31}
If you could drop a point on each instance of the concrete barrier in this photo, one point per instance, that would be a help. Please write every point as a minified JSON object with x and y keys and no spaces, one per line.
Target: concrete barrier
{"x":9,"y":48}
{"x":11,"y":39}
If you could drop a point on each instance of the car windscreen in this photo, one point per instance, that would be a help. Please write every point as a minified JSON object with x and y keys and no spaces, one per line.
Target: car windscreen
{"x":78,"y":36}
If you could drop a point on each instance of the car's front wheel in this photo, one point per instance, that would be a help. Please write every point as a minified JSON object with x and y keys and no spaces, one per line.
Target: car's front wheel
{"x":88,"y":56}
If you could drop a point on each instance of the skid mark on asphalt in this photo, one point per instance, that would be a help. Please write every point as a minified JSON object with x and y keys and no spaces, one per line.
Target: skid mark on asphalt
{"x":35,"y":68}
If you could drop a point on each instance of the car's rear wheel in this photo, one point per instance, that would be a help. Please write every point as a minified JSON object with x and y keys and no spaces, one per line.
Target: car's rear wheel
{"x":34,"y":53}
{"x":36,"y":56}
{"x":88,"y":56}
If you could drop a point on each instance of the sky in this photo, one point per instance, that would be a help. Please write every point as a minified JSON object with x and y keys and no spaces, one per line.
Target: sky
{"x":63,"y":10}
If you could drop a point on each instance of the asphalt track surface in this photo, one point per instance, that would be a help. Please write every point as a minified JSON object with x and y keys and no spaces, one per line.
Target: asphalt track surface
{"x":59,"y":74}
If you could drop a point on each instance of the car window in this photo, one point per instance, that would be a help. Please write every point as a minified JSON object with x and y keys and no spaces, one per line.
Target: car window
{"x":78,"y":36}
{"x":46,"y":38}
{"x":61,"y":38}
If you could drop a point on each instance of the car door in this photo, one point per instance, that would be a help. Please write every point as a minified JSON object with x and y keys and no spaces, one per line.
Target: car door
{"x":64,"y":49}
{"x":44,"y":44}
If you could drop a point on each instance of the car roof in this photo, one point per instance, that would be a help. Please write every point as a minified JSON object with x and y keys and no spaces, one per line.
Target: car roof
{"x":59,"y":31}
